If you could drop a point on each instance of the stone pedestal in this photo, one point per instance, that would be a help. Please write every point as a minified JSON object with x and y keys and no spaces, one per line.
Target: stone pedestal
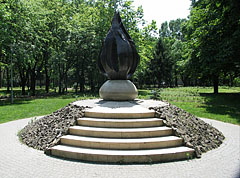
{"x":118,"y":90}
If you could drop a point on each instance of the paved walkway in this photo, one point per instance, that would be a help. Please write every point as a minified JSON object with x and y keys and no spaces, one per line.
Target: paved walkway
{"x":19,"y":161}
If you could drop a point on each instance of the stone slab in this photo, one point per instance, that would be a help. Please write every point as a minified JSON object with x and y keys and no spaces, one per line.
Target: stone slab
{"x":137,"y":103}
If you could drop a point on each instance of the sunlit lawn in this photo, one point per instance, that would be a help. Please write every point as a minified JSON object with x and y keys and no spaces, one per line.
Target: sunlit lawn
{"x":24,"y":108}
{"x":201,"y":101}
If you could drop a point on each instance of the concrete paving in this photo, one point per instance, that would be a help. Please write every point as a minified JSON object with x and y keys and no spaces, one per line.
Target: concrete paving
{"x":20,"y":161}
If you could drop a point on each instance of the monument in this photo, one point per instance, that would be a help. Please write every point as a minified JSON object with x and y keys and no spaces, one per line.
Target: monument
{"x":118,"y":61}
{"x":118,"y":129}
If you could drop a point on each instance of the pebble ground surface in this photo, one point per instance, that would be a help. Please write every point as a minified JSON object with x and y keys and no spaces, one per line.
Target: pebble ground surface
{"x":19,"y":161}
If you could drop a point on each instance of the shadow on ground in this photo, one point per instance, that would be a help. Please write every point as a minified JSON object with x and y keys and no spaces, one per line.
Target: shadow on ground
{"x":18,"y":100}
{"x":223,"y":104}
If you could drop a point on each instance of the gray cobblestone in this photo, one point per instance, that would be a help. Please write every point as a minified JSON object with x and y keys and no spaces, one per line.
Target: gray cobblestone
{"x":19,"y":161}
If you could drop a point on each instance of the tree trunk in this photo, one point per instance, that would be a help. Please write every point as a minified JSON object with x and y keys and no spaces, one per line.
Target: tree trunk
{"x":33,"y":82}
{"x":65,"y":82}
{"x":215,"y":84}
{"x":40,"y":82}
{"x":92,"y":82}
{"x":76,"y":88}
{"x":47,"y":82}
{"x":47,"y":79}
{"x":23,"y":87}
{"x":82,"y":77}
{"x":28,"y":81}
{"x":23,"y":83}
{"x":231,"y":80}
{"x":0,"y":77}
{"x":59,"y":80}
{"x":176,"y":79}
{"x":184,"y":81}
{"x":23,"y":78}
{"x":8,"y":81}
{"x":82,"y":82}
{"x":54,"y":84}
{"x":59,"y":87}
{"x":65,"y":78}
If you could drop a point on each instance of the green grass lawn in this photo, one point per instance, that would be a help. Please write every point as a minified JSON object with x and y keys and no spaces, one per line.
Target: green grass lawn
{"x":24,"y":108}
{"x":201,"y":101}
{"x":197,"y":100}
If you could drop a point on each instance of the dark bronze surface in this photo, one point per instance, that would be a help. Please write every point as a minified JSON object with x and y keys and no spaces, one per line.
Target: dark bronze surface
{"x":119,"y":58}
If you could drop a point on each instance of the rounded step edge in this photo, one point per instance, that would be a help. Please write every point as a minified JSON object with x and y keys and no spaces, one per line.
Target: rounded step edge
{"x":120,"y":115}
{"x":120,"y":123}
{"x":122,"y":144}
{"x":123,"y":156}
{"x":121,"y":132}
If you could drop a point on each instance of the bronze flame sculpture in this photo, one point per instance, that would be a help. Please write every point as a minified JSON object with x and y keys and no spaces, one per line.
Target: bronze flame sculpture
{"x":119,"y":58}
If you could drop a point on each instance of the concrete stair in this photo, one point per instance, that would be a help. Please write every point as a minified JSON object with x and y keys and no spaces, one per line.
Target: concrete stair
{"x":123,"y":113}
{"x":120,"y":132}
{"x":122,"y":156}
{"x":120,"y":123}
{"x":121,"y":144}
{"x":121,"y":136}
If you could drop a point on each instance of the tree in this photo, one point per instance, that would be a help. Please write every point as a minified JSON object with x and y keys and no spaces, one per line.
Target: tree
{"x":168,"y":53}
{"x":59,"y":41}
{"x":214,"y":34}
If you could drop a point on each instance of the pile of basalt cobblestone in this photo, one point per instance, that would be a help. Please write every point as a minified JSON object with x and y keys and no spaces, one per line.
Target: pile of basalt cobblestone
{"x":45,"y":132}
{"x":196,"y":134}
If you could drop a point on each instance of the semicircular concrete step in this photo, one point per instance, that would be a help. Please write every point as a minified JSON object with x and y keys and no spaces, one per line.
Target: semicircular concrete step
{"x":120,"y":123}
{"x":120,"y":132}
{"x":122,"y":112}
{"x":123,"y":156}
{"x":122,"y":144}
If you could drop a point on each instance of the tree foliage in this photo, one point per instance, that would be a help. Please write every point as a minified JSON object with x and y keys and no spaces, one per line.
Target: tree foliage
{"x":201,"y":50}
{"x":214,"y":37}
{"x":56,"y":43}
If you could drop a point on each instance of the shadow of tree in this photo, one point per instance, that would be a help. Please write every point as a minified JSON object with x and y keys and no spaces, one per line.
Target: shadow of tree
{"x":26,"y":99}
{"x":18,"y":92}
{"x":223,"y":104}
{"x":143,"y":92}
{"x":17,"y":101}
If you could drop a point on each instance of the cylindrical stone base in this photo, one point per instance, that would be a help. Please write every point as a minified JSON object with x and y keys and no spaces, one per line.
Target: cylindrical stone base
{"x":118,"y":90}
